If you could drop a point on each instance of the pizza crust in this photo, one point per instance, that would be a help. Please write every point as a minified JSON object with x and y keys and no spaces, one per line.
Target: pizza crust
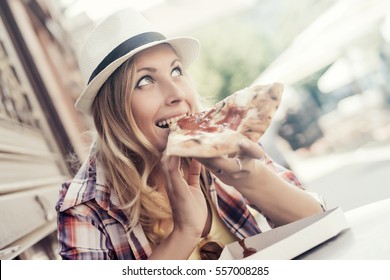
{"x":261,"y":110}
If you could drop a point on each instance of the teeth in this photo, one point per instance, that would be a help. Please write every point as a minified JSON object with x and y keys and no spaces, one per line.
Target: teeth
{"x":171,"y":120}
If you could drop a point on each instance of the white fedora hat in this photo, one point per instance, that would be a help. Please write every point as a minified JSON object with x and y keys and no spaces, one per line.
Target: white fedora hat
{"x":116,"y":39}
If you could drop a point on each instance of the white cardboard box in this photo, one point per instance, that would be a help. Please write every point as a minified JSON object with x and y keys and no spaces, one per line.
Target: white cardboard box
{"x":289,"y":241}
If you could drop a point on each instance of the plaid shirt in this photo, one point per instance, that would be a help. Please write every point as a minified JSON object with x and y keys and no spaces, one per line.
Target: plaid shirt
{"x":90,"y":226}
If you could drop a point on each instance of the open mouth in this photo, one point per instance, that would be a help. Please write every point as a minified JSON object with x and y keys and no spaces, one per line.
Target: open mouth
{"x":166,"y":123}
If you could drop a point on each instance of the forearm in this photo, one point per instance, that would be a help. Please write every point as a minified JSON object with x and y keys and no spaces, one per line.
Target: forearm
{"x":177,"y":246}
{"x":277,"y":199}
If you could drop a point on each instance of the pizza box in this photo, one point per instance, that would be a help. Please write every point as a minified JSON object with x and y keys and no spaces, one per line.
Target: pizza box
{"x":291,"y":240}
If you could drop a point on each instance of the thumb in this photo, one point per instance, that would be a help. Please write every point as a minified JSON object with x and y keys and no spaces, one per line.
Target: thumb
{"x":194,"y":173}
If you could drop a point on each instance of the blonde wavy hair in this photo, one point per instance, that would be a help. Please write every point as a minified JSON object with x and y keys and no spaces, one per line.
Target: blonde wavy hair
{"x":129,"y":159}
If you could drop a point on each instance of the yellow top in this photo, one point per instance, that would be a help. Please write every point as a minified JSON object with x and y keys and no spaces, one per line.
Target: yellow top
{"x":218,"y":232}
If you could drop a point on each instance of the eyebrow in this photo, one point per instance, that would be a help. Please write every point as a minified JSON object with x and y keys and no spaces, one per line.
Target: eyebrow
{"x":152,"y":69}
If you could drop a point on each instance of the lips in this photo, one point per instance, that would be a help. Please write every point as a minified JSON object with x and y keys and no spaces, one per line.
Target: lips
{"x":165,"y":123}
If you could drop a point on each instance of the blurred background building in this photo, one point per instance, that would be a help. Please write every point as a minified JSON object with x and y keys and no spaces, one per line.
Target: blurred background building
{"x":332,"y":129}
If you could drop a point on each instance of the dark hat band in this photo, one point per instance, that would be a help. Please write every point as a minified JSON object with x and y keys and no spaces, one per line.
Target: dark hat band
{"x":126,"y":47}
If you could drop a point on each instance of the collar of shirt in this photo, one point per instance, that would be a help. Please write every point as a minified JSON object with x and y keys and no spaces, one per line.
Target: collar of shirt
{"x":87,"y":184}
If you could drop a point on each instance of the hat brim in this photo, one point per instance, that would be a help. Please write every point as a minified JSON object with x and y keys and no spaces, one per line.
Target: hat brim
{"x":187,"y":49}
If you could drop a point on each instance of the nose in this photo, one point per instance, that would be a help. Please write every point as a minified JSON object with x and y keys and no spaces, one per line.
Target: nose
{"x":174,"y":93}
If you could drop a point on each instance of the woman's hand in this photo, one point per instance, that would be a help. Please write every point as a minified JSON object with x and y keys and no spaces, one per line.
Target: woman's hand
{"x":237,"y":171}
{"x":189,"y":208}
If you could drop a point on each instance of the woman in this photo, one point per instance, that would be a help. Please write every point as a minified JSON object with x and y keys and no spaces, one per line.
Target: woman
{"x":131,"y":201}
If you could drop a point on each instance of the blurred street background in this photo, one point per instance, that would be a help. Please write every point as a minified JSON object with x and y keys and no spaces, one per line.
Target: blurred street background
{"x":332,"y":128}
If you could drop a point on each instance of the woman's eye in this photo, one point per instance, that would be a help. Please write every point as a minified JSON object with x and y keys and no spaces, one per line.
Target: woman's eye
{"x":177,"y":72}
{"x":147,"y":80}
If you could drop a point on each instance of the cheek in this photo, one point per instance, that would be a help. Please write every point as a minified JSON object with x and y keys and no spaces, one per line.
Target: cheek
{"x":143,"y":110}
{"x":134,"y":109}
{"x":192,"y":99}
{"x":138,"y":111}
{"x":191,"y":93}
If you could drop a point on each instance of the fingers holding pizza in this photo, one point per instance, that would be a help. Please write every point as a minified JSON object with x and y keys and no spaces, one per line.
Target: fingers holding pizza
{"x":237,"y":169}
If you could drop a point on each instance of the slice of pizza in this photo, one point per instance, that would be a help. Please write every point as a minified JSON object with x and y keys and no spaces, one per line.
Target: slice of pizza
{"x":218,"y":131}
